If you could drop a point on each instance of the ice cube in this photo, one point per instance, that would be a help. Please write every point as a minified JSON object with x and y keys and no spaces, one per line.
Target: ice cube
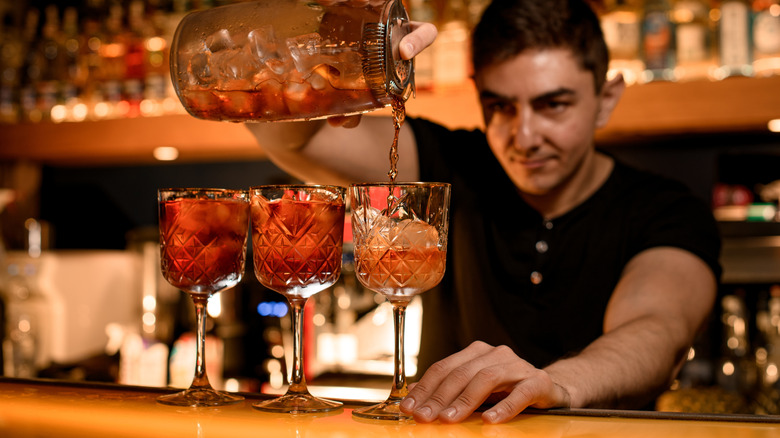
{"x":200,"y":73}
{"x":414,"y":234}
{"x":234,"y":64}
{"x":262,"y":43}
{"x":296,"y":91}
{"x":305,"y":52}
{"x":220,"y":40}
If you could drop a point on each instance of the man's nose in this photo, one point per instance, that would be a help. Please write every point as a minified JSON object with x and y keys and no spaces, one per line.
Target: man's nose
{"x":524,"y":130}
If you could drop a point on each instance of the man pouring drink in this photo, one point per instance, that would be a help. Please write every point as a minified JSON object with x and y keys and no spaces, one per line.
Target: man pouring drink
{"x":572,"y":280}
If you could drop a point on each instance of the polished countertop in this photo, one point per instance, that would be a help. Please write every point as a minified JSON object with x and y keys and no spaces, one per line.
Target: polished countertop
{"x":35,"y":408}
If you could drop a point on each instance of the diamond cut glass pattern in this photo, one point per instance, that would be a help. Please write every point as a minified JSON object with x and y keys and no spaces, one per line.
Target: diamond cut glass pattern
{"x":297,"y":239}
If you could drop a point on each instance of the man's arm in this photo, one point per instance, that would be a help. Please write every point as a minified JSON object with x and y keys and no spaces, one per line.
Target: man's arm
{"x":325,"y":152}
{"x":653,"y":317}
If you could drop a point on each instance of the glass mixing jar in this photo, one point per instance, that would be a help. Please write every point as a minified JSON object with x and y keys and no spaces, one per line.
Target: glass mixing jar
{"x":275,"y":60}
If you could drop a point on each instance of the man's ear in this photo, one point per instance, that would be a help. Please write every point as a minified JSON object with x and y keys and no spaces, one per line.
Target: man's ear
{"x":610,"y":95}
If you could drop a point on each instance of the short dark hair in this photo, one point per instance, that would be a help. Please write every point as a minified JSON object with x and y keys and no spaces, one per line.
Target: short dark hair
{"x":509,"y":27}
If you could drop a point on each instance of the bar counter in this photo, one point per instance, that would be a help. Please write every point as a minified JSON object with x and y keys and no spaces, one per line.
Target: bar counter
{"x":33,"y":408}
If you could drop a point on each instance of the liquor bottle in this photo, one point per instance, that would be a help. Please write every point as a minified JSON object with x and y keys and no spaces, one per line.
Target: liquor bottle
{"x":766,"y":37}
{"x":451,"y":48}
{"x":135,"y":57}
{"x":112,"y":54}
{"x":423,"y":10}
{"x":734,"y":35}
{"x":11,"y":62}
{"x":53,"y":59}
{"x":620,"y":23}
{"x":31,"y":70}
{"x":658,"y":45}
{"x":73,"y":80}
{"x":695,"y":57}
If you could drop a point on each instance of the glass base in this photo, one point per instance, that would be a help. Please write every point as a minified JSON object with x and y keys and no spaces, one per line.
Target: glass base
{"x":297,"y":404}
{"x":200,"y":397}
{"x":387,"y":410}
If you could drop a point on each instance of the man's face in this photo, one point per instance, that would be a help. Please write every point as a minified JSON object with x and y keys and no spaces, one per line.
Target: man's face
{"x":540,"y":110}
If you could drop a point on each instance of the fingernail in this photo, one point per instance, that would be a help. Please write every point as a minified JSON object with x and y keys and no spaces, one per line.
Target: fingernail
{"x":489,"y":416}
{"x":408,"y":404}
{"x":425,"y":412}
{"x":408,"y":48}
{"x":449,"y":413}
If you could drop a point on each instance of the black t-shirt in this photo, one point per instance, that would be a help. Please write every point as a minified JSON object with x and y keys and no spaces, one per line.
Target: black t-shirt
{"x":541,"y":287}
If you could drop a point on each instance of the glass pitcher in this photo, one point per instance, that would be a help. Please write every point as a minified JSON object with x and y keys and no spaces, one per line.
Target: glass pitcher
{"x":275,"y":60}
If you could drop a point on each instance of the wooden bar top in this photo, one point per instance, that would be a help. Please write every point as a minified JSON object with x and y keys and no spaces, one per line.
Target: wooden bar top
{"x":32,"y":408}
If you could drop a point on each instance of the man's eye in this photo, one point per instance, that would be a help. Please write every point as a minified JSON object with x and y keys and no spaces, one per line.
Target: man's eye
{"x":552,"y":105}
{"x":502,"y":107}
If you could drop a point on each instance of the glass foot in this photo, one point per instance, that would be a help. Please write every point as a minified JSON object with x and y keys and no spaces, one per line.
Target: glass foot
{"x":387,"y":410}
{"x":297,"y":404}
{"x":200,"y":397}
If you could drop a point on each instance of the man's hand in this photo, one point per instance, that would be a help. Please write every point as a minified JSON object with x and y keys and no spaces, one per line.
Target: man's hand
{"x":421,"y":36}
{"x":456,"y":386}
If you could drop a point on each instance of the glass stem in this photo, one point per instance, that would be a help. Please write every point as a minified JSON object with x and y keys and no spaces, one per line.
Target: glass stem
{"x":399,"y":389}
{"x":297,"y":379}
{"x":200,"y":380}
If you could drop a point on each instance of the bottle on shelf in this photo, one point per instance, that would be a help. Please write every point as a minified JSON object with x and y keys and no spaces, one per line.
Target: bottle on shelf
{"x":766,"y":37}
{"x":11,"y":63}
{"x":423,"y":10}
{"x":621,"y":27}
{"x":658,"y":44}
{"x":734,"y":39}
{"x":451,"y":48}
{"x":693,"y":37}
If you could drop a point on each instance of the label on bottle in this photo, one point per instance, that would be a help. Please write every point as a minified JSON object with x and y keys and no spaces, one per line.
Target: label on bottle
{"x":766,"y":33}
{"x":691,"y":43}
{"x":657,"y":41}
{"x":734,"y":34}
{"x":622,"y":35}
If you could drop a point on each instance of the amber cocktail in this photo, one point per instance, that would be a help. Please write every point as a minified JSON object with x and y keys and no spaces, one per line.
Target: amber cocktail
{"x":400,"y":234}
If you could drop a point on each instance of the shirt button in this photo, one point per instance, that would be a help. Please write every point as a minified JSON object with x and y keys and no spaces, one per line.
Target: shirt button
{"x":536,"y":277}
{"x":541,"y":247}
{"x":548,"y":225}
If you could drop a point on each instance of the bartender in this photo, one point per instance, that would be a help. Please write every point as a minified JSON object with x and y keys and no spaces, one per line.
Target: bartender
{"x":573,"y":280}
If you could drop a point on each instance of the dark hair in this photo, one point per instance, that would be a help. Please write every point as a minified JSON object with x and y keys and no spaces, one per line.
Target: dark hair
{"x":509,"y":27}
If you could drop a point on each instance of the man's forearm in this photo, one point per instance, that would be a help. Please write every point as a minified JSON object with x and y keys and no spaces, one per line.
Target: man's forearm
{"x":625,"y":368}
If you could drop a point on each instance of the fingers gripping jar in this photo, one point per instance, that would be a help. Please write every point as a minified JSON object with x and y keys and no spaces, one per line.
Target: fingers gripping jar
{"x":276,"y":60}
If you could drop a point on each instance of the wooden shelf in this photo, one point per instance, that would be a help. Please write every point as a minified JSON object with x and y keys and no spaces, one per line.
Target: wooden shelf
{"x":656,"y":109}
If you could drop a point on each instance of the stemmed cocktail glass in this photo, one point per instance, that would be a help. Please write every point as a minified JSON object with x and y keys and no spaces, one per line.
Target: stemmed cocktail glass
{"x":203,"y":237}
{"x":400,"y":236}
{"x":297,"y":239}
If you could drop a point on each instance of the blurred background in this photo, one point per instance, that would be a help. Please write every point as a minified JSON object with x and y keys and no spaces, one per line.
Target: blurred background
{"x":90,"y":128}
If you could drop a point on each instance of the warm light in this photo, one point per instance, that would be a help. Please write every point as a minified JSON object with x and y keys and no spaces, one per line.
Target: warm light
{"x":691,"y":354}
{"x":232,"y":385}
{"x":150,"y":303}
{"x":277,"y":351}
{"x":214,"y":307}
{"x":149,"y":107}
{"x":155,"y":44}
{"x":101,"y":110}
{"x":774,"y":125}
{"x":318,"y":319}
{"x":732,"y":342}
{"x":165,"y":153}
{"x":344,"y":301}
{"x":771,"y":374}
{"x":728,"y":368}
{"x":774,"y":10}
{"x":149,"y":318}
{"x":80,"y":112}
{"x":58,"y":113}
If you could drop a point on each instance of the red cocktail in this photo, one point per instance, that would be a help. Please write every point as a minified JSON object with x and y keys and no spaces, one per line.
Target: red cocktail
{"x":297,"y":238}
{"x":203,"y":237}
